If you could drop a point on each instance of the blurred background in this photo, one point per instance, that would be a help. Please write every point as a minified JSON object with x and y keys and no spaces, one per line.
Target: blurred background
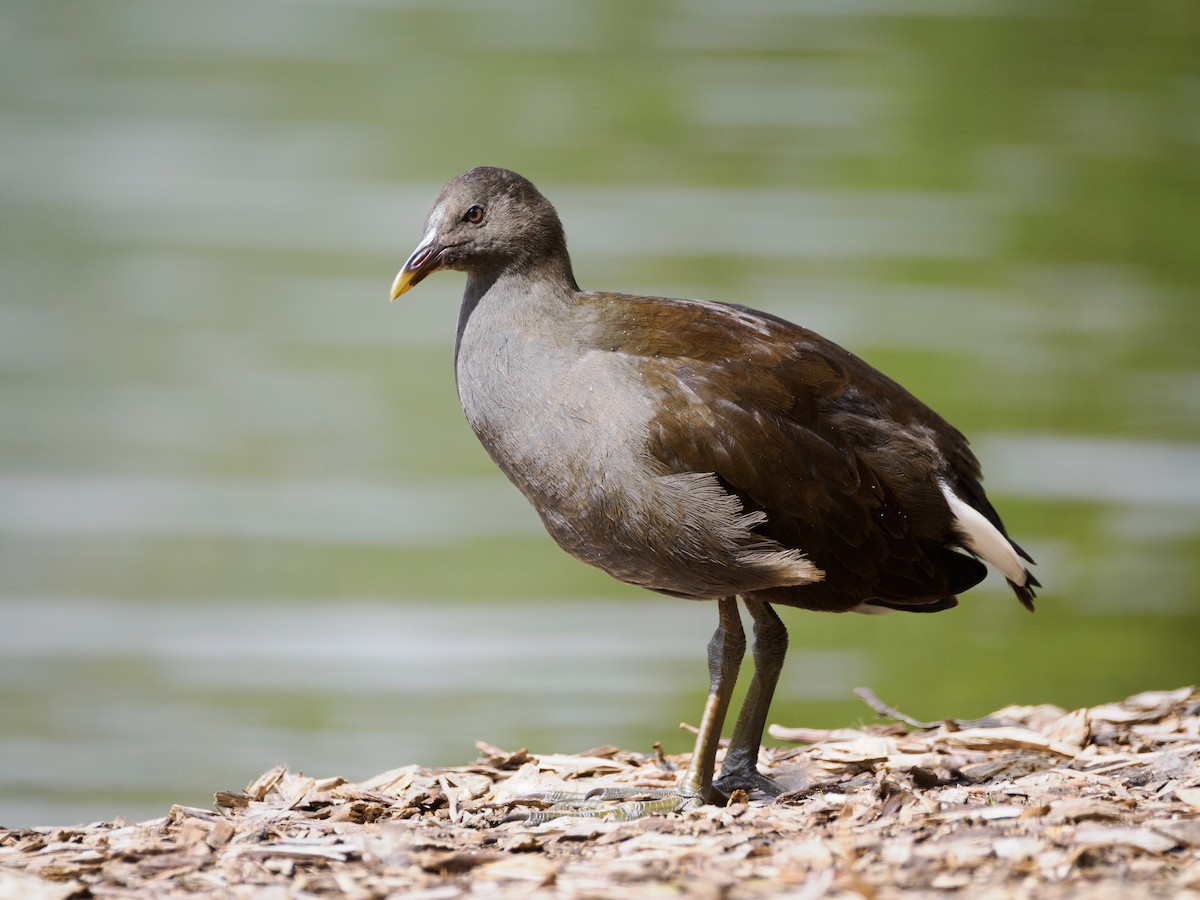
{"x":242,"y":520}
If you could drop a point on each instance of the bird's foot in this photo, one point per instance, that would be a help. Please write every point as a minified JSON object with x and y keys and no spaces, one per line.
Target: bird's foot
{"x":747,"y":779}
{"x":631,"y":803}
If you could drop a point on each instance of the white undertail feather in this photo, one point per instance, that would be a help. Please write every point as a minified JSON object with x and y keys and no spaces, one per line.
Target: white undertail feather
{"x":983,"y":538}
{"x":871,"y":609}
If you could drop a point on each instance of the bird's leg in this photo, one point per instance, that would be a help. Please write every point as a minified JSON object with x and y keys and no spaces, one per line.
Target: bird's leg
{"x":725,"y":652}
{"x":740,"y":769}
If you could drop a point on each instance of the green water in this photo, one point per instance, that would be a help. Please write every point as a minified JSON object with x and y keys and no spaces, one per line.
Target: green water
{"x":241,"y":519}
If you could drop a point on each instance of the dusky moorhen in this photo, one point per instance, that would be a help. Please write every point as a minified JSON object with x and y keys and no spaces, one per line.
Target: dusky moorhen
{"x":703,"y":450}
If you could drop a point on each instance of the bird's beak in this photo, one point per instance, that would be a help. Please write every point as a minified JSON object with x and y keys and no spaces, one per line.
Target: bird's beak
{"x":424,"y":261}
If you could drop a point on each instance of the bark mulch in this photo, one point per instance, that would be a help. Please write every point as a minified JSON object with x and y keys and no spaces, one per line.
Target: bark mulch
{"x":1031,"y":801}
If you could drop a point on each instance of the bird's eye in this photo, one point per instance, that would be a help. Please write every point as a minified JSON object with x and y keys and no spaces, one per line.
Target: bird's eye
{"x":474,"y":215}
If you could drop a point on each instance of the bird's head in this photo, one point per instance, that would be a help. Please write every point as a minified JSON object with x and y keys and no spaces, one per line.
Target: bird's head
{"x":485,"y":222}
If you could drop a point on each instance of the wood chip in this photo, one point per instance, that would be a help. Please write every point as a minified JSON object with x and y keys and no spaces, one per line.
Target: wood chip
{"x":1030,"y":801}
{"x":1006,"y":737}
{"x":1081,"y":809}
{"x":1190,"y":796}
{"x":1141,"y":838}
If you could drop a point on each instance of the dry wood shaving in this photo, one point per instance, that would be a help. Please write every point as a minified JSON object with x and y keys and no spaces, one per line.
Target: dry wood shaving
{"x":1031,"y":801}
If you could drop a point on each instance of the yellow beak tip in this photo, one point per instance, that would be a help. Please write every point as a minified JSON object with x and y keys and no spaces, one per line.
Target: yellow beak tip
{"x":402,"y":283}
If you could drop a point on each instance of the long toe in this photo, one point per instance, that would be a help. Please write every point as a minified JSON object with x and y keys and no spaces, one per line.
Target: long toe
{"x":608,"y":804}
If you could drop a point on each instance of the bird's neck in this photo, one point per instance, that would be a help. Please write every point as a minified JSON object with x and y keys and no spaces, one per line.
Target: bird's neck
{"x":514,"y":300}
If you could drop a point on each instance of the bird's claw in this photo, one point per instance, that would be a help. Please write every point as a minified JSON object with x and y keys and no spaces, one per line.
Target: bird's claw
{"x":749,"y":780}
{"x":591,"y":805}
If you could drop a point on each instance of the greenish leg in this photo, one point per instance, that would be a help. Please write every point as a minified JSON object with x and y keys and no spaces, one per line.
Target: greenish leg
{"x":740,"y":769}
{"x":725,"y":652}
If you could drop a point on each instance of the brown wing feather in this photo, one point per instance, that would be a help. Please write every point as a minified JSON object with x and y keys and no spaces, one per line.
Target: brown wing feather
{"x":843,"y":460}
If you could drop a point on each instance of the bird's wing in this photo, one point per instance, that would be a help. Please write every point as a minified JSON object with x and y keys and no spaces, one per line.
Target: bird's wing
{"x":843,"y":461}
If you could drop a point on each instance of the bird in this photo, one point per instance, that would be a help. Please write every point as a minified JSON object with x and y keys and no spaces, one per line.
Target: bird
{"x":703,"y":450}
